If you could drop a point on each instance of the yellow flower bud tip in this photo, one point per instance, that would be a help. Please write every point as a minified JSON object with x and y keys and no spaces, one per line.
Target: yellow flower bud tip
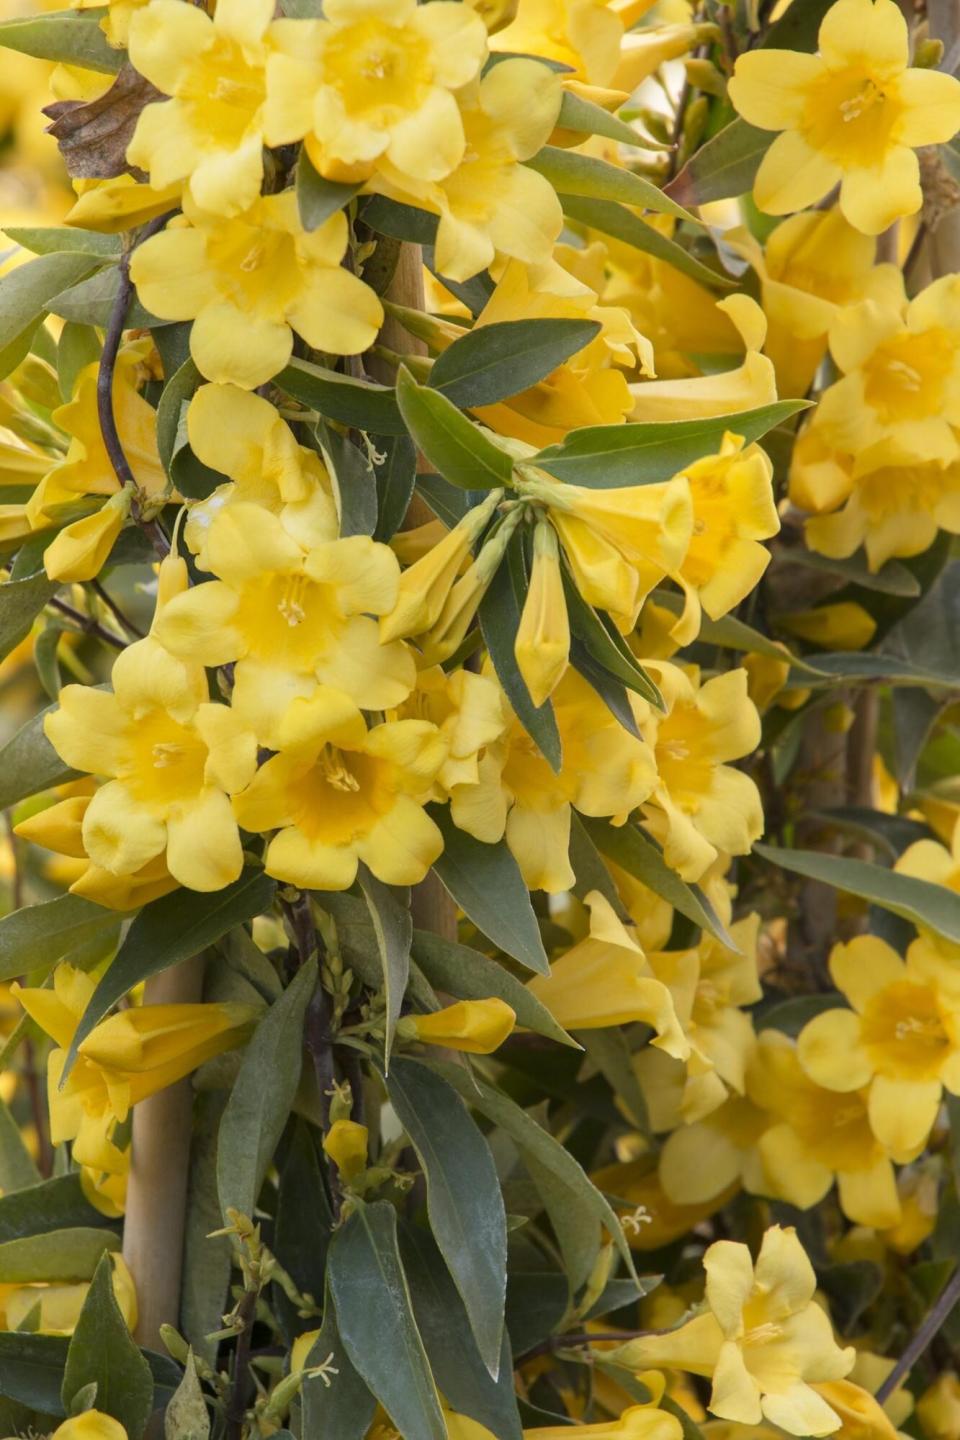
{"x":542,"y":645}
{"x":841,"y":626}
{"x":81,"y":549}
{"x":346,"y":1144}
{"x":477,"y":1027}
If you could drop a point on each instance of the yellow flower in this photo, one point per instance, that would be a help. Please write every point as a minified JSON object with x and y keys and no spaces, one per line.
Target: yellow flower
{"x":606,"y":980}
{"x":489,"y":202}
{"x":367,"y":84}
{"x":660,"y":1220}
{"x":338,"y":793}
{"x":751,"y":385}
{"x":468,"y":711}
{"x":425,"y":585}
{"x":862,"y":1418}
{"x":844,"y":625}
{"x":640,"y":1422}
{"x":210,"y":134}
{"x":898,"y":399}
{"x":901,"y":1040}
{"x":854,"y":114}
{"x":733,"y":510}
{"x":584,"y":35}
{"x":59,"y":827}
{"x":701,"y":1161}
{"x":938,"y":1408}
{"x":819,"y":1135}
{"x":928,"y":860}
{"x":605,"y":771}
{"x":761,"y":1338}
{"x":80,"y":550}
{"x":60,"y":1305}
{"x":249,"y":281}
{"x":124,"y":1059}
{"x":809,"y":265}
{"x":700,"y":805}
{"x":172,"y":759}
{"x":120,"y":203}
{"x":346,"y":1144}
{"x":477,"y":1027}
{"x":90,"y":1425}
{"x":542,"y":643}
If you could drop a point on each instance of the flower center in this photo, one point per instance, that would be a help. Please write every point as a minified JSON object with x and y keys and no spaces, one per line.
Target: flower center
{"x":856,"y":105}
{"x":904,"y":1032}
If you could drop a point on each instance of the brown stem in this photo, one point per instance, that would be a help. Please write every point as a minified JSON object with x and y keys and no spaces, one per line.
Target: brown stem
{"x":938,"y":1315}
{"x":88,"y":625}
{"x":237,"y":1407}
{"x":111,"y":604}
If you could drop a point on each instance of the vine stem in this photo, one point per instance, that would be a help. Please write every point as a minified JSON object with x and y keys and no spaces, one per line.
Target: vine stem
{"x":87,"y":624}
{"x":937,"y":1317}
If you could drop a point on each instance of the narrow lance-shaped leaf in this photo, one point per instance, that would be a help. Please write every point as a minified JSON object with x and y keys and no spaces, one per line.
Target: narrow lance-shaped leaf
{"x":68,"y":36}
{"x":66,"y":1256}
{"x":464,"y":1201}
{"x":451,"y":442}
{"x":393,"y":926}
{"x":102,"y":1352}
{"x":340,"y":1404}
{"x":495,"y":361}
{"x":20,"y":603}
{"x":725,"y":167}
{"x":318,"y":198}
{"x":574,"y":174}
{"x":360,"y":403}
{"x":376,"y":1322}
{"x":37,"y":936}
{"x":616,"y":220}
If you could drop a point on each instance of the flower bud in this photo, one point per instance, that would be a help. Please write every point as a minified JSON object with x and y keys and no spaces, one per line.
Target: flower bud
{"x":81,"y":549}
{"x":477,"y":1027}
{"x":424,"y":587}
{"x":346,"y":1144}
{"x":542,"y":646}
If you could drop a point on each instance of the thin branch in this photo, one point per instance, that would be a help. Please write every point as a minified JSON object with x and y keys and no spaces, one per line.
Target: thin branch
{"x":237,"y":1406}
{"x":115,"y":610}
{"x":87,"y":624}
{"x":937,"y":1317}
{"x":587,"y":1337}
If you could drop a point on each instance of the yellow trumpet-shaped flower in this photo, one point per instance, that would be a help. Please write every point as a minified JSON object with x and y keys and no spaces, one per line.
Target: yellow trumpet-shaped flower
{"x":90,"y":1425}
{"x":862,"y":1418}
{"x":490,"y":202}
{"x":248,"y":281}
{"x":369,"y":84}
{"x":938,"y":1408}
{"x":752,"y":384}
{"x":606,"y":980}
{"x":817,"y":1136}
{"x":338,"y":793}
{"x":605,"y":771}
{"x":81,"y":549}
{"x":477,"y":1027}
{"x":346,"y":1144}
{"x":584,"y":35}
{"x":844,"y":625}
{"x":542,"y":644}
{"x":900,"y":1042}
{"x":761,"y":1338}
{"x":210,"y":134}
{"x":700,"y":805}
{"x":171,"y":758}
{"x":468,"y":711}
{"x":852,"y":114}
{"x":640,"y":1422}
{"x":124,"y":1059}
{"x":425,"y":585}
{"x":120,"y":203}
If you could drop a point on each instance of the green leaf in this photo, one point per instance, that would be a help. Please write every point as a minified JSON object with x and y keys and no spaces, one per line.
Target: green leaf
{"x":36,"y":937}
{"x":535,"y":1142}
{"x":608,"y":457}
{"x":591,"y":873}
{"x":78,"y":346}
{"x":61,"y":1256}
{"x":919,"y":901}
{"x":393,"y":926}
{"x":495,"y":361}
{"x":26,"y":292}
{"x":574,"y":1220}
{"x":351,"y":473}
{"x":606,"y":645}
{"x":464,"y":1202}
{"x":797,"y":30}
{"x":461,"y":1376}
{"x":45,"y":647}
{"x":206,"y":1256}
{"x":91,"y":302}
{"x":20,"y":603}
{"x":396,"y":474}
{"x":17,"y":1170}
{"x":451,"y":442}
{"x":72,"y":37}
{"x":56,"y":239}
{"x":499,"y":613}
{"x":469,"y":975}
{"x":376,"y":1324}
{"x":29,"y":763}
{"x":304,"y":1220}
{"x":32,"y":1366}
{"x":359,"y":403}
{"x":486,"y":883}
{"x":187,"y":1417}
{"x":179,"y":388}
{"x":173,"y":928}
{"x":44,"y":1205}
{"x":628,"y":847}
{"x":858,"y":665}
{"x":723,"y":168}
{"x":102,"y":1352}
{"x":448,"y":502}
{"x":341,"y":1406}
{"x":590,"y":119}
{"x":609,"y":1051}
{"x":317,"y":198}
{"x":400,"y":222}
{"x":571,"y":173}
{"x":616,"y":220}
{"x":262,"y":1095}
{"x":791,"y":1015}
{"x":891,"y":579}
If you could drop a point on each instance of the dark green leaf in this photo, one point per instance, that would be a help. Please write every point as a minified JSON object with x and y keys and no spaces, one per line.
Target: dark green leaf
{"x":575,"y":1222}
{"x":179,"y":388}
{"x":352,"y":475}
{"x":376,"y":1323}
{"x":725,"y":167}
{"x":173,"y":928}
{"x":51,"y":240}
{"x":393,"y":926}
{"x":448,"y":502}
{"x":17,"y":1169}
{"x":78,"y":346}
{"x":396,"y":473}
{"x":537,"y":1302}
{"x":29,"y":763}
{"x":494,"y":361}
{"x":499,"y":613}
{"x":72,"y":37}
{"x":629,"y":848}
{"x":36,"y":937}
{"x":589,"y":119}
{"x":791,"y":1015}
{"x":451,"y":442}
{"x":486,"y":883}
{"x":609,"y":1051}
{"x":464,"y":1202}
{"x":591,"y":873}
{"x":608,"y":457}
{"x":317,"y":198}
{"x":622,"y":224}
{"x":341,"y":1406}
{"x":57,"y":1204}
{"x":102,"y":1352}
{"x":304,"y":1221}
{"x":919,"y":901}
{"x":360,"y":947}
{"x":571,"y":173}
{"x":468,"y":975}
{"x":45,"y":647}
{"x":206,"y":1256}
{"x":66,"y":1256}
{"x":859,"y":665}
{"x":91,"y":301}
{"x":611,"y":692}
{"x":359,"y":403}
{"x":20,"y":603}
{"x":607,"y":647}
{"x":32,"y":1366}
{"x":262,"y":1095}
{"x":461,"y":1375}
{"x":891,"y":579}
{"x":400,"y":222}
